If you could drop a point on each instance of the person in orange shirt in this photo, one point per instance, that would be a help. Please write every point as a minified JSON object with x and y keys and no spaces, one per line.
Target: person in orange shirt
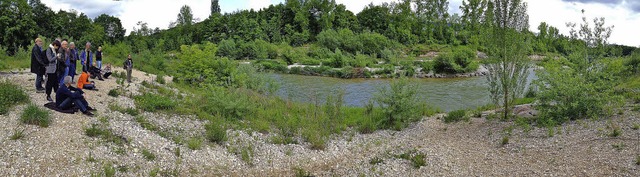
{"x":83,"y":82}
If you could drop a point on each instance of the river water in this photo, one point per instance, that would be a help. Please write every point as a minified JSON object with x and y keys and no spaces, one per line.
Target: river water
{"x":447,"y":94}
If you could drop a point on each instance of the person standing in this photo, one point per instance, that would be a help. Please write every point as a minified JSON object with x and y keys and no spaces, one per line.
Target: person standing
{"x":86,"y":58}
{"x":38,"y":63}
{"x":128,"y":65}
{"x":52,"y":77}
{"x":73,"y":58}
{"x":63,"y":63}
{"x":99,"y":57}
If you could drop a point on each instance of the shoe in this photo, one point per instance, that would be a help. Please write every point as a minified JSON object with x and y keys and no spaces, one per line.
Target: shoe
{"x":49,"y":99}
{"x":89,"y":108}
{"x":88,"y":113}
{"x":40,"y":91}
{"x":101,"y":79}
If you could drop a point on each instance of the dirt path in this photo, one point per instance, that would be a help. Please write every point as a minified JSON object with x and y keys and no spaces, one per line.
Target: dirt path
{"x":461,"y":149}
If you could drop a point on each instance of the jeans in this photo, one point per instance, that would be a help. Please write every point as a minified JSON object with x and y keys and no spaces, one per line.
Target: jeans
{"x":65,"y":74}
{"x":128,"y":75}
{"x":89,"y":86}
{"x":99,"y":64}
{"x":81,"y":103}
{"x":52,"y":83}
{"x":39,"y":79}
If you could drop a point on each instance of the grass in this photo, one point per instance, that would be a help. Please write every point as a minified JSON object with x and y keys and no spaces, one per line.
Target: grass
{"x":216,"y":133}
{"x":618,"y":147}
{"x":144,"y":123}
{"x":17,"y":134}
{"x":416,"y":158}
{"x":114,"y":92}
{"x":638,"y":160}
{"x":301,"y":172}
{"x":11,"y":95}
{"x":635,"y":126}
{"x":35,"y":116}
{"x":194,"y":143}
{"x":456,"y":116}
{"x":616,"y":132}
{"x":154,"y":102}
{"x":375,"y":160}
{"x":96,"y":131}
{"x":130,"y":111}
{"x":148,"y":155}
{"x":505,"y":140}
{"x":109,"y":170}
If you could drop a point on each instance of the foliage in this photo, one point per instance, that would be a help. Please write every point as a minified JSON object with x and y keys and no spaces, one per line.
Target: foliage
{"x":215,"y":132}
{"x":507,"y":46}
{"x":11,"y":96}
{"x":461,"y":60}
{"x":455,"y":116}
{"x":153,"y":102}
{"x":35,"y":116}
{"x":148,"y":155}
{"x":416,"y":158}
{"x":399,"y":104}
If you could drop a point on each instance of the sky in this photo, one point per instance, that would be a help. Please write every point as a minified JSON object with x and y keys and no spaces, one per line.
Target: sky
{"x":624,"y":15}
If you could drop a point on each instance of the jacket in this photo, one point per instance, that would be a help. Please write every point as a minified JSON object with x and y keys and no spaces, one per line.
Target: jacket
{"x":83,"y":57}
{"x":64,"y":92}
{"x":84,"y":79}
{"x":128,"y":64}
{"x":38,"y":61}
{"x":52,"y":59}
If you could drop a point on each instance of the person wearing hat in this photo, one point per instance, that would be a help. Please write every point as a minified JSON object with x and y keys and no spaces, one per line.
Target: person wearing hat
{"x":52,"y":76}
{"x":66,"y":99}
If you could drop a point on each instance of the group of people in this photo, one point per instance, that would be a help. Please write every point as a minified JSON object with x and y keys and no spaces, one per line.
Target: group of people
{"x":57,"y":63}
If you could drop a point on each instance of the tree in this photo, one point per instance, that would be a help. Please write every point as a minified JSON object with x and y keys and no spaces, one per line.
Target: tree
{"x":17,"y":27}
{"x":112,"y":27}
{"x":185,"y":17}
{"x":472,"y":19}
{"x":215,"y":7}
{"x":433,"y":14}
{"x":507,"y":46}
{"x":593,"y":40}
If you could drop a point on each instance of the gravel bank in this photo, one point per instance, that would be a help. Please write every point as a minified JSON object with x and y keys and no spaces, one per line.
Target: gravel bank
{"x":580,"y":148}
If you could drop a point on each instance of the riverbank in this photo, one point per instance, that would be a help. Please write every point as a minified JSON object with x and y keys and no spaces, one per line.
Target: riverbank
{"x":583,"y":148}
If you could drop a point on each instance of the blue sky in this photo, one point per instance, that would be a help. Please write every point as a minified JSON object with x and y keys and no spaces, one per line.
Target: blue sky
{"x":623,"y":14}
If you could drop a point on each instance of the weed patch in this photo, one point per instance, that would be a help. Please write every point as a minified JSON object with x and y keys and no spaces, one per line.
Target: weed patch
{"x":35,"y":116}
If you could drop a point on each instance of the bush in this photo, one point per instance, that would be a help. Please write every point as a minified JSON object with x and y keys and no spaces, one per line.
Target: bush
{"x":11,"y":96}
{"x":399,"y":103}
{"x":35,"y":116}
{"x":160,"y":79}
{"x":633,"y":62}
{"x":194,"y":143}
{"x":273,"y":65}
{"x":228,"y":48}
{"x":153,"y":102}
{"x":216,"y":133}
{"x":114,"y":92}
{"x":460,"y":60}
{"x":569,"y":94}
{"x":456,"y":116}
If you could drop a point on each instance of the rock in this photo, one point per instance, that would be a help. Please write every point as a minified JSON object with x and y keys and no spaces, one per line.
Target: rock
{"x":482,"y":55}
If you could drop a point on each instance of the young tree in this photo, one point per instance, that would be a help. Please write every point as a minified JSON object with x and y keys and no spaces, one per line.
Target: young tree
{"x":185,"y":17}
{"x":507,"y":46}
{"x":593,"y":40}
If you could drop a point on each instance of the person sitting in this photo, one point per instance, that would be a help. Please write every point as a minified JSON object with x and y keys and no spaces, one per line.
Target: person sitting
{"x":66,"y":99}
{"x":83,"y":82}
{"x":106,"y":72}
{"x":95,"y":72}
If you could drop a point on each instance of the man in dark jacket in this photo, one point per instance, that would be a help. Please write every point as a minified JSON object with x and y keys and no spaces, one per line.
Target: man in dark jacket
{"x":66,"y":99}
{"x":38,"y":62}
{"x":128,"y":65}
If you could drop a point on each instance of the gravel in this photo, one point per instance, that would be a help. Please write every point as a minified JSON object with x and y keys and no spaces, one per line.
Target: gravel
{"x":581,"y":148}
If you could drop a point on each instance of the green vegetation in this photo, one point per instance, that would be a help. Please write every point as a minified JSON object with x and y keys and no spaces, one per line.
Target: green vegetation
{"x":455,"y":116}
{"x":399,"y":104}
{"x":416,"y":158}
{"x":375,"y":160}
{"x":12,"y":95}
{"x":17,"y":134}
{"x":148,"y":155}
{"x":216,"y":133}
{"x":154,"y":102}
{"x":99,"y":131}
{"x":35,"y":115}
{"x":114,"y":92}
{"x":109,"y":170}
{"x":194,"y":143}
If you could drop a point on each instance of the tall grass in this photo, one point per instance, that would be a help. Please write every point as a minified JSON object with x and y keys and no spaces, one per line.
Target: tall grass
{"x":11,"y":95}
{"x":35,"y":116}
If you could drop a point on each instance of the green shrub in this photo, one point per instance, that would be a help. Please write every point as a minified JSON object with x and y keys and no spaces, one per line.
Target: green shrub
{"x":569,"y":94}
{"x":11,"y":96}
{"x":455,"y":116}
{"x":216,"y":133}
{"x":160,"y":79}
{"x":17,"y":134}
{"x":148,"y":155}
{"x":153,"y":102}
{"x":93,"y":131}
{"x":114,"y":92}
{"x":459,"y":61}
{"x":35,"y":116}
{"x":399,"y":103}
{"x":505,"y":140}
{"x":144,"y":123}
{"x":109,"y":170}
{"x":375,"y":161}
{"x":633,"y":62}
{"x":416,"y":158}
{"x":228,"y":48}
{"x":194,"y":143}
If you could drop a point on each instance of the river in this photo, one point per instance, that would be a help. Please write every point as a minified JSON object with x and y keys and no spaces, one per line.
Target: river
{"x":447,"y":94}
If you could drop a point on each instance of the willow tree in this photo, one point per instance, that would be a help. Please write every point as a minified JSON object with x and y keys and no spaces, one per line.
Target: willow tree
{"x":507,"y":47}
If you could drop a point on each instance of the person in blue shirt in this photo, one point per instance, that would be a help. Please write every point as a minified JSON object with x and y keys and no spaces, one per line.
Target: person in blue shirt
{"x":66,"y":99}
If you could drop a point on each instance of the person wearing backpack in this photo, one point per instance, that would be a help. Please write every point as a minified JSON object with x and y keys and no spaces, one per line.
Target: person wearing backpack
{"x":52,"y":76}
{"x":128,"y":65}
